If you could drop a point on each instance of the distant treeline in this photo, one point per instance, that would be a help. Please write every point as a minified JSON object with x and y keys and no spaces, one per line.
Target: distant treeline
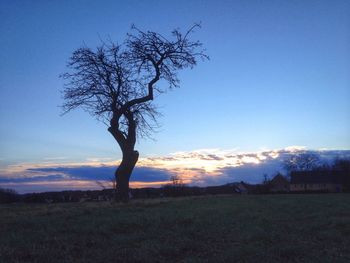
{"x":338,"y":171}
{"x":10,"y":196}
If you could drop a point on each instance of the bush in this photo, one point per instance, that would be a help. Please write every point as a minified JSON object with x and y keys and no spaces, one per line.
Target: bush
{"x":8,"y":196}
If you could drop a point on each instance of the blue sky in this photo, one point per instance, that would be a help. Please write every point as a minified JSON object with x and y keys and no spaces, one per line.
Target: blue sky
{"x":278,"y":76}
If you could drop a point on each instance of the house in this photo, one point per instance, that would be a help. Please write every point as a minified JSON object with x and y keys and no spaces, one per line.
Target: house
{"x":316,"y":181}
{"x":279,"y":184}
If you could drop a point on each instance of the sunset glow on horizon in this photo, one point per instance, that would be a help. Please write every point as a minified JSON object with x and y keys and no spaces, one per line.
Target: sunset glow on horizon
{"x":200,"y":167}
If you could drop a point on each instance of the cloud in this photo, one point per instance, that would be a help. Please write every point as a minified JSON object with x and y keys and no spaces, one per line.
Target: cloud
{"x":200,"y":167}
{"x":141,"y":174}
{"x":79,"y":172}
{"x":56,"y":158}
{"x":52,"y":178}
{"x":104,"y":173}
{"x":99,"y":159}
{"x":295,"y":148}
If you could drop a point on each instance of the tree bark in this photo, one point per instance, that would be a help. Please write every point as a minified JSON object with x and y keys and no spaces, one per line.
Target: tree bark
{"x":123,"y":174}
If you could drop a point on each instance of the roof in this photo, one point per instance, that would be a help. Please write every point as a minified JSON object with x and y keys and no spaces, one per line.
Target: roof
{"x":279,"y":180}
{"x":316,"y":177}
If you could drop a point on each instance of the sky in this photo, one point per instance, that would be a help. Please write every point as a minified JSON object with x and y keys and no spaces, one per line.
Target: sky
{"x":278,"y":76}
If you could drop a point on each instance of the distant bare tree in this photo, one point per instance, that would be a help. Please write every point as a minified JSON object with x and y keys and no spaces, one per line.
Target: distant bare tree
{"x":176,"y":181}
{"x":109,"y":184}
{"x":113,"y":183}
{"x":117,"y":84}
{"x":342,"y":165}
{"x":302,"y":162}
{"x":266,"y":179}
{"x":101,"y":184}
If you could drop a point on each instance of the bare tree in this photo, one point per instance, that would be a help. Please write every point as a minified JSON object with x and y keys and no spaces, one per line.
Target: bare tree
{"x":176,"y":181}
{"x":341,"y":164}
{"x":302,"y":162}
{"x":117,"y":84}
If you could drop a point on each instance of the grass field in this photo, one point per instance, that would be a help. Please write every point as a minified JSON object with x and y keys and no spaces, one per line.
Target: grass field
{"x":270,"y":228}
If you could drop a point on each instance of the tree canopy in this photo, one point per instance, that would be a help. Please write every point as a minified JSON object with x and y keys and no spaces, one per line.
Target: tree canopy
{"x":116,"y":81}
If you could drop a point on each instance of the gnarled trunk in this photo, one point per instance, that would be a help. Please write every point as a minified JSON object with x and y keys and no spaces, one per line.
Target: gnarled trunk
{"x":123,"y":173}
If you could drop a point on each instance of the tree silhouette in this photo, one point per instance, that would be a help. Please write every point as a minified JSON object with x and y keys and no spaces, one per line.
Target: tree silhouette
{"x":117,"y":84}
{"x":302,"y":162}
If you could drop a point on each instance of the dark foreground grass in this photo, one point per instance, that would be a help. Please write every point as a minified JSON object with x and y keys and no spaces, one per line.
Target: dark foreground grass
{"x":275,"y":228}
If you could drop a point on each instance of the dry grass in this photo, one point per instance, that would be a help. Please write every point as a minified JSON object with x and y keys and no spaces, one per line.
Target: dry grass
{"x":274,"y":228}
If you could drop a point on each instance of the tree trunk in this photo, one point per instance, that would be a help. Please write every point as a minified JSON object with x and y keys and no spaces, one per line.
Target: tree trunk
{"x":123,"y":174}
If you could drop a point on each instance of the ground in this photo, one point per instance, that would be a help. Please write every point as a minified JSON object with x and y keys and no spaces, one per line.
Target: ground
{"x":270,"y":228}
